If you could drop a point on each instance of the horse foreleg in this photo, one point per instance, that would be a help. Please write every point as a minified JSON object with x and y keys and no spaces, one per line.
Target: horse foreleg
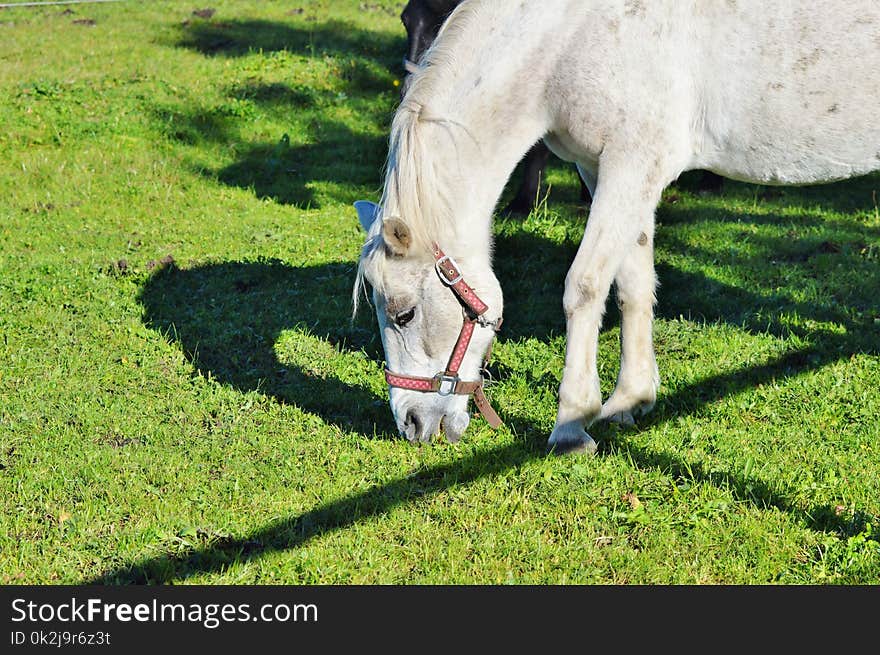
{"x":624,"y":202}
{"x":639,"y":379}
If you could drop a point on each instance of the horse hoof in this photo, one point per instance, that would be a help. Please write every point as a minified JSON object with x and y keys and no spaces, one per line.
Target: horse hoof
{"x":571,"y":442}
{"x":623,"y":408}
{"x":624,"y":419}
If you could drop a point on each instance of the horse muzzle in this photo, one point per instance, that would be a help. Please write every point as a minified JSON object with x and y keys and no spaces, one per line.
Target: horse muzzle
{"x":421,"y":422}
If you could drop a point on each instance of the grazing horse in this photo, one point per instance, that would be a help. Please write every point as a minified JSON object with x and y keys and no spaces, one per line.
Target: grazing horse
{"x":635,"y":93}
{"x":422,"y":20}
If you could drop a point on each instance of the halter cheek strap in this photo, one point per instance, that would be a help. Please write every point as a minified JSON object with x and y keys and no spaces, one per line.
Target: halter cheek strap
{"x":411,"y":66}
{"x":447,"y":382}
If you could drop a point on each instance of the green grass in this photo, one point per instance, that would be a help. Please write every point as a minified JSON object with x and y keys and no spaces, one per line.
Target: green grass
{"x":183,"y":397}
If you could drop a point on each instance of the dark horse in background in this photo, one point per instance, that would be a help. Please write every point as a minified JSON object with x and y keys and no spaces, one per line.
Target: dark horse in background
{"x":422,"y":20}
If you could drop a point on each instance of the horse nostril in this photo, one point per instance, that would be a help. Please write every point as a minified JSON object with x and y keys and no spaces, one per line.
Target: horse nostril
{"x":412,"y":426}
{"x":412,"y":419}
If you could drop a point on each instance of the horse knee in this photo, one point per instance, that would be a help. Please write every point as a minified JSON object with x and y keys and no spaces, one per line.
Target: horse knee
{"x":579,"y":292}
{"x":634,"y":293}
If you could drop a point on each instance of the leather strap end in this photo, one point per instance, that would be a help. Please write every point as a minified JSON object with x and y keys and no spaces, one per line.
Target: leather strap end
{"x":482,"y":404}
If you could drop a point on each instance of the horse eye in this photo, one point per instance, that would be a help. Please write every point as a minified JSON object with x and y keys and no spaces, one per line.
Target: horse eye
{"x":405,"y":317}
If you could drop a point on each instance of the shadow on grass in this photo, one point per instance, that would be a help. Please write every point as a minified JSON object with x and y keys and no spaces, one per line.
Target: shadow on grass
{"x":837,"y":256}
{"x":259,"y":168}
{"x":859,"y":194}
{"x":294,"y":531}
{"x":228,"y":316}
{"x":313,"y":150}
{"x":367,"y":50}
{"x":236,"y":38}
{"x":284,"y":171}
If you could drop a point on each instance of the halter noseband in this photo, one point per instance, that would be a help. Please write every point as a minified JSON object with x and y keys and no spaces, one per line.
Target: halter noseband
{"x":447,"y":382}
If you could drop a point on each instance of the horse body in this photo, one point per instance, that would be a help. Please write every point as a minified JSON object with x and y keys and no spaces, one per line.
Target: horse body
{"x":771,"y":93}
{"x":803,"y":105}
{"x":635,"y":93}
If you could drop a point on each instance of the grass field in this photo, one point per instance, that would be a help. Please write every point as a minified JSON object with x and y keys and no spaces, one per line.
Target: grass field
{"x":184,"y":397}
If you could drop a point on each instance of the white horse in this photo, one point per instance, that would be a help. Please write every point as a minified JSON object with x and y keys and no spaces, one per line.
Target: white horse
{"x":635,"y":92}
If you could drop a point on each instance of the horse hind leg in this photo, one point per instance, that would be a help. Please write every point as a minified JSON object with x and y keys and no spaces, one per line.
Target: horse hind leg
{"x":636,"y":390}
{"x":534,"y":163}
{"x":623,"y":207}
{"x":588,"y":177}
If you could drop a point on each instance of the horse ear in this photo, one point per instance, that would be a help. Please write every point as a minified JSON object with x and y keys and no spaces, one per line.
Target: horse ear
{"x":367,"y":213}
{"x":396,"y":235}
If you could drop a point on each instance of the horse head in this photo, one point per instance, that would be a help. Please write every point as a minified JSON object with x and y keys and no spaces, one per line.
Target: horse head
{"x":436,"y":326}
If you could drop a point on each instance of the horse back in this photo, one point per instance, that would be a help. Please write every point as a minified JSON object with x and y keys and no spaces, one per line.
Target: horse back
{"x":788,"y":92}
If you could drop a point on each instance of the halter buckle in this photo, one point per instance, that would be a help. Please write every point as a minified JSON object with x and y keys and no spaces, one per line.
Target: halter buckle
{"x":446,"y":384}
{"x":438,"y":265}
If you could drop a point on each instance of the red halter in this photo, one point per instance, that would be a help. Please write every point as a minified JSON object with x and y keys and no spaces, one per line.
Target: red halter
{"x":447,"y":382}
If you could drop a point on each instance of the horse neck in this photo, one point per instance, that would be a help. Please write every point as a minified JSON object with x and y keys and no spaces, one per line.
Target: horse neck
{"x":480,"y":113}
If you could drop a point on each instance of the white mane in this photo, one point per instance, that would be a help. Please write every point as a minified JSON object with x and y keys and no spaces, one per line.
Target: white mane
{"x":416,"y":190}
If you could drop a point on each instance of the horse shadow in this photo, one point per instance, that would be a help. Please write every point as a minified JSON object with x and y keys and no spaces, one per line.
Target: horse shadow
{"x":856,"y":195}
{"x":532,"y":271}
{"x":228,"y":317}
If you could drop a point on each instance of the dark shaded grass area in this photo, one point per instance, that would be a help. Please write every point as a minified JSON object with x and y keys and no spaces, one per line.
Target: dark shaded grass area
{"x":227,"y":318}
{"x":281,"y":169}
{"x":239,"y":37}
